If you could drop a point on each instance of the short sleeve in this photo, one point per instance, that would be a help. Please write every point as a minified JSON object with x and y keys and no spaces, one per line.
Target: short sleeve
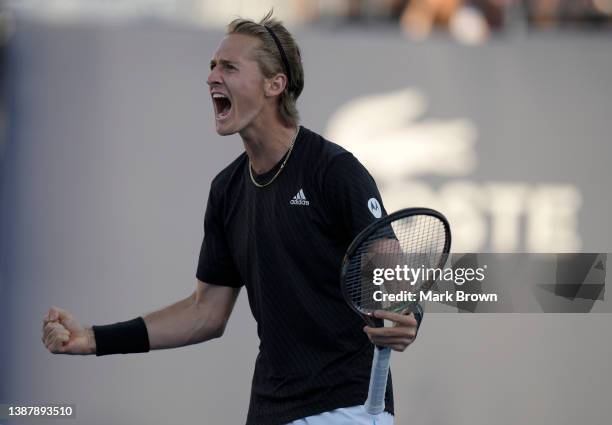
{"x":351,"y":194}
{"x":215,"y":264}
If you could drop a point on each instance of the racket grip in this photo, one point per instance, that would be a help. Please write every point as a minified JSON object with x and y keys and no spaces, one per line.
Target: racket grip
{"x":375,"y":404}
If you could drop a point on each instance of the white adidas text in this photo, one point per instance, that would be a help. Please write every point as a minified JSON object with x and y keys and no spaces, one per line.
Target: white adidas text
{"x":299,"y":199}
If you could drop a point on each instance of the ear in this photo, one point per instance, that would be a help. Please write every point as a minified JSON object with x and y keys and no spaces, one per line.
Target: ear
{"x":274,"y":86}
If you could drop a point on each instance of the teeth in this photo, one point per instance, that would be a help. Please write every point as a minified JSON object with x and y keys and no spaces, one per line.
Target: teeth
{"x":218,"y":96}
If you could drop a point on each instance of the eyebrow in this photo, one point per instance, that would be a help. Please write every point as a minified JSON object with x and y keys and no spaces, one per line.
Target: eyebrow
{"x":222,"y":62}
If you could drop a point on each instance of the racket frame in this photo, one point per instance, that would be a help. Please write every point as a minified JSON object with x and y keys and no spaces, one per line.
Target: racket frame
{"x":373,"y":227}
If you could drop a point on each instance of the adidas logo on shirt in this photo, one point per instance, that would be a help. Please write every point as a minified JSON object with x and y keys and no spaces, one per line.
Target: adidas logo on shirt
{"x":299,"y":199}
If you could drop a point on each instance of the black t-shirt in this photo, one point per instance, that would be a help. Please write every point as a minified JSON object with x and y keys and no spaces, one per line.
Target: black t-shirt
{"x":285,"y":243}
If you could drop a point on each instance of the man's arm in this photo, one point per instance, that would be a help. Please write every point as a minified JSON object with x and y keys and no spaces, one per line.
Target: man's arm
{"x":197,"y":318}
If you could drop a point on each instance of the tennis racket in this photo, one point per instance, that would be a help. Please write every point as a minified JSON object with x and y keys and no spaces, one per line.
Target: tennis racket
{"x":413,"y":238}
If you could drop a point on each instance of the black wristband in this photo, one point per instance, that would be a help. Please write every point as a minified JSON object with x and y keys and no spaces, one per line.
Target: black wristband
{"x":122,"y":337}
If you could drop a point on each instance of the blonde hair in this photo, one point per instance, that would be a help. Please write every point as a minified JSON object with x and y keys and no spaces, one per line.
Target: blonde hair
{"x":271,"y":62}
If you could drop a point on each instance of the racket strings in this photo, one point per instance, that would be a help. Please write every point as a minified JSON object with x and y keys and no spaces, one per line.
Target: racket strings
{"x":413,"y":242}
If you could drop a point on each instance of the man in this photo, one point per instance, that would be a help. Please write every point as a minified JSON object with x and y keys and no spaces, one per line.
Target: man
{"x":278,"y":221}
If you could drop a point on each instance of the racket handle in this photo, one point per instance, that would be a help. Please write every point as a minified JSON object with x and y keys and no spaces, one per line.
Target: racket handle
{"x":375,"y":404}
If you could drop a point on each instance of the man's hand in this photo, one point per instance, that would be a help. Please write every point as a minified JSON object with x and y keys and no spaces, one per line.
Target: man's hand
{"x":397,"y":337}
{"x":62,"y":334}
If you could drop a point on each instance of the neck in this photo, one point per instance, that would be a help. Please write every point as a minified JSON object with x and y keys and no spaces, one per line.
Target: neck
{"x":266,"y":145}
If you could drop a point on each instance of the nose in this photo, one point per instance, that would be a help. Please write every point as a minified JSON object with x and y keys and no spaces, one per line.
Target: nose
{"x":214,"y":76}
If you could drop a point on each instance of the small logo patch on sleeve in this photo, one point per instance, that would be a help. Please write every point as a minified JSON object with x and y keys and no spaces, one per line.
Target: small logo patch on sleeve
{"x":374,"y":207}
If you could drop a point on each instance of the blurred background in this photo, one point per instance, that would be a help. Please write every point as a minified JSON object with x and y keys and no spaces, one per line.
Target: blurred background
{"x":496,"y":112}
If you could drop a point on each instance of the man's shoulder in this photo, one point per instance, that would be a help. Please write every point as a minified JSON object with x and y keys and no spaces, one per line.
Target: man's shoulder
{"x":322,"y":149}
{"x":229,"y":175}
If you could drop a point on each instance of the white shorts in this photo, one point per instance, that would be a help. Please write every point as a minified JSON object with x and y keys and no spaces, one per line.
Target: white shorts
{"x":355,"y":415}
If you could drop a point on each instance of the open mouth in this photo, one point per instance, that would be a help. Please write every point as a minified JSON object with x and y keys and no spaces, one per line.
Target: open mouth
{"x":222,"y":105}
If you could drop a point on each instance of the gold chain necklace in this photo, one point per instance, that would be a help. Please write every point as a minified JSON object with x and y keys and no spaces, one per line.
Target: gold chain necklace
{"x":281,"y":167}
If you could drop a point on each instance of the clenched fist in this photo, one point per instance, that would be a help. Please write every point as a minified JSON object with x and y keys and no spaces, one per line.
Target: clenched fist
{"x":62,"y":334}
